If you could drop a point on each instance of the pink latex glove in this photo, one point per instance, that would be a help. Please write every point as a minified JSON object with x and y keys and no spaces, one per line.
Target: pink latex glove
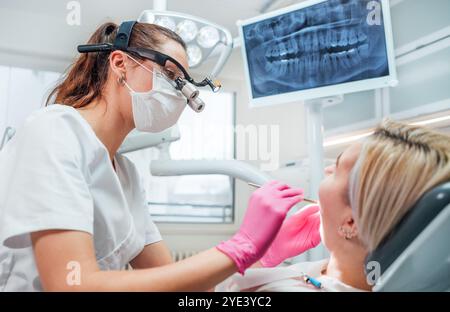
{"x":266,"y":211}
{"x":298,"y":233}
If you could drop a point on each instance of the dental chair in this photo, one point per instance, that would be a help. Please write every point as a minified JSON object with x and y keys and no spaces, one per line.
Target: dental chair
{"x":415,"y":256}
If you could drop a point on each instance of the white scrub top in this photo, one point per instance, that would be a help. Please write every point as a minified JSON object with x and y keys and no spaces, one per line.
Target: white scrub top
{"x":56,"y":174}
{"x":285,"y":279}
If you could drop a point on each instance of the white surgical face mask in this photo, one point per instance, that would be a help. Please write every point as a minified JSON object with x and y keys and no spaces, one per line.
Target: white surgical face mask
{"x":159,"y":108}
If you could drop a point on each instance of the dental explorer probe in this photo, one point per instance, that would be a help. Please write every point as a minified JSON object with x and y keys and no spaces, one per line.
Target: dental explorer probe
{"x":304,"y":199}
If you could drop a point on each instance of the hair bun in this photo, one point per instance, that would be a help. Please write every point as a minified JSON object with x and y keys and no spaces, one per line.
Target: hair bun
{"x":110,"y":29}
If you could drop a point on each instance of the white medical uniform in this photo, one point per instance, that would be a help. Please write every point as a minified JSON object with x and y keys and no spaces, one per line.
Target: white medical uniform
{"x":284,"y":279}
{"x":56,"y":174}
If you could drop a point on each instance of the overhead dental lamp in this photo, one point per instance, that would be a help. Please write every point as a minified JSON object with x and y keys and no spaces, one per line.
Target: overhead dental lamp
{"x":204,"y":39}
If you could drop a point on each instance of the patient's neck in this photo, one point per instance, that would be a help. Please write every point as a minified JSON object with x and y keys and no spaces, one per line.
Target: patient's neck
{"x":349,"y":269}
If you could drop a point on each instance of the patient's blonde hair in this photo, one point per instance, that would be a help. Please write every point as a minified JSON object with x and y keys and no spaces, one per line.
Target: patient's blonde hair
{"x":397,"y":165}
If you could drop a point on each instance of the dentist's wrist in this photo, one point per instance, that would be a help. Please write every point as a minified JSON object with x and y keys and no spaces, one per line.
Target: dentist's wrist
{"x":241,"y":250}
{"x":269,"y":260}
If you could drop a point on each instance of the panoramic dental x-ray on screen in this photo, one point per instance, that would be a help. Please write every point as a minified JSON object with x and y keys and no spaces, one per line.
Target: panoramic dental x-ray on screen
{"x":328,"y":43}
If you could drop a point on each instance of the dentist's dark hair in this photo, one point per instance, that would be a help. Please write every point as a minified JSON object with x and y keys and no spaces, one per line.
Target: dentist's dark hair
{"x":85,"y":79}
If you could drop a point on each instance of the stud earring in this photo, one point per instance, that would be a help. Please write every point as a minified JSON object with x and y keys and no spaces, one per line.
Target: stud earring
{"x":347,"y":234}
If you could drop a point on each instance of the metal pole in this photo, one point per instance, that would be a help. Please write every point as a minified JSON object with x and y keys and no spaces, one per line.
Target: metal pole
{"x":314,"y":134}
{"x":314,"y":122}
{"x":160,"y":5}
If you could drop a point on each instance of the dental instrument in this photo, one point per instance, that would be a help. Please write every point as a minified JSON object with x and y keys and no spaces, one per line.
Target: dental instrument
{"x":304,"y":199}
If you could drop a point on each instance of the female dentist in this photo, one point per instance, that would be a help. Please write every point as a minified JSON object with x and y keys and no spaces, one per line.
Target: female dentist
{"x":73,"y":213}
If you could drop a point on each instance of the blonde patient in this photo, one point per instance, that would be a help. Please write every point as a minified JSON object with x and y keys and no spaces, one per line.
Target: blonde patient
{"x":363,"y":196}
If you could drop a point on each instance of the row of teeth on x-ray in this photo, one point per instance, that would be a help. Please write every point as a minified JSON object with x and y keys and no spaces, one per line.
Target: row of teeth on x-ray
{"x":323,"y":14}
{"x":319,"y":51}
{"x":325,"y":40}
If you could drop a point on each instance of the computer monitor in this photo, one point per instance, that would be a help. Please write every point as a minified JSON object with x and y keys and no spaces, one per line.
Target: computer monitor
{"x":317,"y":49}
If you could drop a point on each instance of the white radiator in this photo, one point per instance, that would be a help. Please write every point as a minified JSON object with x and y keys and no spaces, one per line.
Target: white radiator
{"x":179,"y":255}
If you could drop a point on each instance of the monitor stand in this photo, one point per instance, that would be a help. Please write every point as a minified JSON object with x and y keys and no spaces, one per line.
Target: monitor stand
{"x":314,"y":135}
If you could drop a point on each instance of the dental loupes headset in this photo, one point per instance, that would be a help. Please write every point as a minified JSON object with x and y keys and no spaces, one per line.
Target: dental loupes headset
{"x":187,"y":85}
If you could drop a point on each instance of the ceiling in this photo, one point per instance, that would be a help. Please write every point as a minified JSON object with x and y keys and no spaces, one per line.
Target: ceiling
{"x":222,"y":12}
{"x":38,"y":29}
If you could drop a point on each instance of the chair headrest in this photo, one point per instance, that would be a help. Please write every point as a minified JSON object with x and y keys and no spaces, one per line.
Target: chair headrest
{"x":411,"y":225}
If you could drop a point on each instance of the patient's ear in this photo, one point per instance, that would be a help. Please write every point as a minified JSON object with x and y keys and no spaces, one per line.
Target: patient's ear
{"x":348,"y":228}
